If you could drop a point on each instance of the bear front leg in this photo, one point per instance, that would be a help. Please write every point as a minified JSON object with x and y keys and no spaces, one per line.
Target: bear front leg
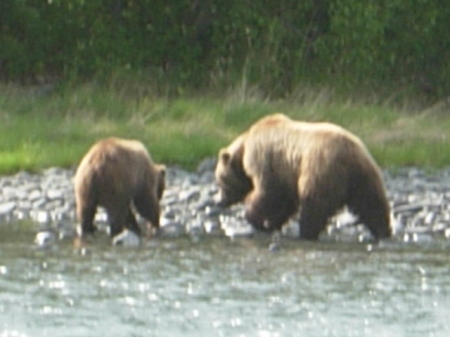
{"x":371,"y":205}
{"x":313,"y":219}
{"x":268,"y":208}
{"x":85,"y":214}
{"x":148,"y":207}
{"x":376,"y":219}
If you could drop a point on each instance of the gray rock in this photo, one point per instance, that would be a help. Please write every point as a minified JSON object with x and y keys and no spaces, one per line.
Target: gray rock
{"x":9,"y":192}
{"x":126,"y":238}
{"x":39,"y":203}
{"x":44,"y":239}
{"x":212,"y":226}
{"x":420,"y":205}
{"x":55,"y":194}
{"x":440,"y":226}
{"x":345,"y":219}
{"x":171,"y":228}
{"x":22,"y":194}
{"x":189,"y":194}
{"x":213,"y":210}
{"x":291,"y":229}
{"x":232,"y":227}
{"x":40,"y":216}
{"x":7,"y":207}
{"x":238,"y":230}
{"x":207,"y":165}
{"x":195,"y":227}
{"x":34,"y":195}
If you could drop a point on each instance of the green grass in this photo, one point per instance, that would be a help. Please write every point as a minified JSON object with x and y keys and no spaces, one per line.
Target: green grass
{"x":39,"y":130}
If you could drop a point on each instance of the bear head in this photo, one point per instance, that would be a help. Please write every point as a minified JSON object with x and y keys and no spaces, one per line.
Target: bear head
{"x":233,"y":182}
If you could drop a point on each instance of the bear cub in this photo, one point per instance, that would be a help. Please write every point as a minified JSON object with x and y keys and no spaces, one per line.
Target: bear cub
{"x":119,"y":175}
{"x":280,"y":167}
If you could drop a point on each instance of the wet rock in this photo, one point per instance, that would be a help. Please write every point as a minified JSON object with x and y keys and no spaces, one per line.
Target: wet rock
{"x":238,"y":231}
{"x":409,"y":207}
{"x":39,"y":203}
{"x":169,"y":199}
{"x":213,"y":210}
{"x":364,"y":237}
{"x":233,"y":227}
{"x":424,"y":237}
{"x":171,"y":228}
{"x":274,"y":247}
{"x":206,"y":178}
{"x":126,"y":238}
{"x":420,"y":204}
{"x":7,"y":207}
{"x":40,"y":216}
{"x":189,"y":194}
{"x":212,"y":226}
{"x":44,"y":239}
{"x":55,"y":194}
{"x":196,"y":225}
{"x":345,"y":219}
{"x":21,"y":194}
{"x":291,"y":229}
{"x":65,"y":229}
{"x":429,"y":218}
{"x":440,"y":227}
{"x":9,"y":192}
{"x":207,"y":166}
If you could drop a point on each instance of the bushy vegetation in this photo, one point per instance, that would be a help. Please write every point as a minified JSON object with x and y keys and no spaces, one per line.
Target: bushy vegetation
{"x":399,"y":45}
{"x":186,"y":76}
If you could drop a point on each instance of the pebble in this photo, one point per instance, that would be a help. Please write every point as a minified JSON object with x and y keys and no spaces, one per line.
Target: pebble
{"x":126,"y":239}
{"x":420,"y":204}
{"x":44,"y":239}
{"x":7,"y":207}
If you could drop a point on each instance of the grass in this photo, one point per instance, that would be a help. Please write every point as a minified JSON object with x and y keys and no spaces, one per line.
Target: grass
{"x":40,"y":129}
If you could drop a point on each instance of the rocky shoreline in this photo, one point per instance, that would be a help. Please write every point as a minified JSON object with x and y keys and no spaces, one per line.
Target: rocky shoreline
{"x":420,"y":205}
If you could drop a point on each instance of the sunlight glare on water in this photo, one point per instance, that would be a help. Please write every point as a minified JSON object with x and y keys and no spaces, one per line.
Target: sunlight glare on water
{"x":218,"y":287}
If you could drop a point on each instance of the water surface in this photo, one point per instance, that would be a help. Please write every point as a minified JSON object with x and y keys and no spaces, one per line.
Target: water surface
{"x":218,"y":287}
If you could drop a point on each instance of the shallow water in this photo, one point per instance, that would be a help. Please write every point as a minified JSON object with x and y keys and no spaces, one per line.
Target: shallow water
{"x":218,"y":287}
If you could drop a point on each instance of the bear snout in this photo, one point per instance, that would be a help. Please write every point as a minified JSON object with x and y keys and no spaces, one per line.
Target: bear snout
{"x":220,"y":200}
{"x":256,"y":219}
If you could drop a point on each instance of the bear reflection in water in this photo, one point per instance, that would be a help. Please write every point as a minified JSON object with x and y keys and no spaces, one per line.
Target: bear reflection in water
{"x":279,"y":167}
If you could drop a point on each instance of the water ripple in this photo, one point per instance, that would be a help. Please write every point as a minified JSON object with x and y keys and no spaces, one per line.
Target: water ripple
{"x":226,"y":288}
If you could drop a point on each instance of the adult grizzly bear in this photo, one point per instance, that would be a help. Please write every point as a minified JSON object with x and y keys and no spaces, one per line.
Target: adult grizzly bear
{"x":116,"y":174}
{"x":280,"y":166}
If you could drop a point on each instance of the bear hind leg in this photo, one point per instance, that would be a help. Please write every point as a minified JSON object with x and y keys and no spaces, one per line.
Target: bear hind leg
{"x":320,"y":199}
{"x":131,"y":223}
{"x":148,"y":207}
{"x":118,"y":218}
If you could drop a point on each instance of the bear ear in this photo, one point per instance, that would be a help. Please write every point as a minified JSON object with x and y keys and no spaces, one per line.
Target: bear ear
{"x":161,"y":170}
{"x":225,"y":157}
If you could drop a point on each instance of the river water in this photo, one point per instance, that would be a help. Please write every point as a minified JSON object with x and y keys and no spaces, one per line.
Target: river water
{"x":216,"y":286}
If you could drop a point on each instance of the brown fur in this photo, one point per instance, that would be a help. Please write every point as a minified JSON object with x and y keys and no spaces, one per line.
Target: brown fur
{"x":281,"y":166}
{"x":116,"y":174}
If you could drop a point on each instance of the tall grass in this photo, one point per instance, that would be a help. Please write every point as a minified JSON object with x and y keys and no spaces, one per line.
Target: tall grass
{"x":41,"y":128}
